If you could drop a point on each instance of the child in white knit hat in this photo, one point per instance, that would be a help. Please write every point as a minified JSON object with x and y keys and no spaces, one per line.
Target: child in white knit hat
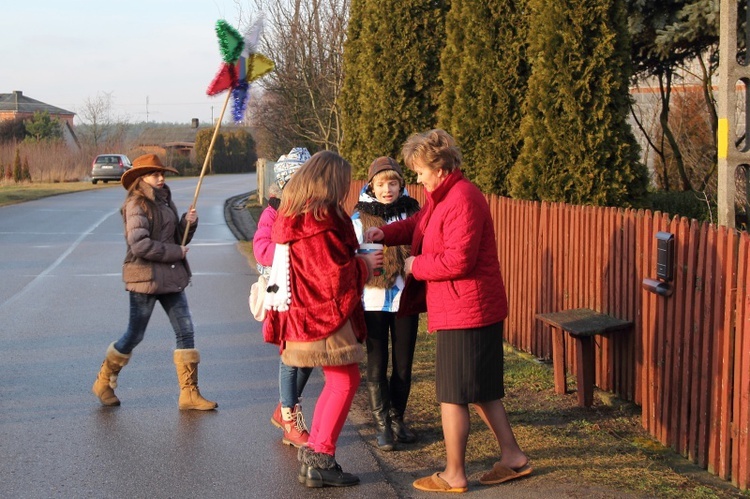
{"x":292,"y":380}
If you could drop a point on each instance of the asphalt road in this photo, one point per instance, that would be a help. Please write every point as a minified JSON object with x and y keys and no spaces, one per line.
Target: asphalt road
{"x":62,"y":302}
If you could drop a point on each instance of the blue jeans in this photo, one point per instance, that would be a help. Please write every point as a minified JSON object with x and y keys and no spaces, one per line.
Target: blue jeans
{"x":292,"y":381}
{"x":141,"y":307}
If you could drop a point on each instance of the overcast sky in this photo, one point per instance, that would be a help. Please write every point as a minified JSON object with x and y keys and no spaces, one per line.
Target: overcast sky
{"x":164,"y":52}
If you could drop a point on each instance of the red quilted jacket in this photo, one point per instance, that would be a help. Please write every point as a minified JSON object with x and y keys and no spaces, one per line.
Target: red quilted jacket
{"x":453,"y":239}
{"x":327,"y":279}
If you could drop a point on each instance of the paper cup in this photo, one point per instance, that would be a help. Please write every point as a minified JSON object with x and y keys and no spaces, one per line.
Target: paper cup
{"x":365,"y":248}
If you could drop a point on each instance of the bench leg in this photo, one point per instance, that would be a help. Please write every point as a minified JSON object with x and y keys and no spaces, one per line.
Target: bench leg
{"x":585,"y":370}
{"x":558,"y":360}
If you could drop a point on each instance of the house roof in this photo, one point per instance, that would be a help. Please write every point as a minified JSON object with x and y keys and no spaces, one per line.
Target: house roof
{"x":19,"y":103}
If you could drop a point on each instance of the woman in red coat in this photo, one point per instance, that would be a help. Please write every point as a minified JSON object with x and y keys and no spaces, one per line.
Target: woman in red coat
{"x":454,"y":255}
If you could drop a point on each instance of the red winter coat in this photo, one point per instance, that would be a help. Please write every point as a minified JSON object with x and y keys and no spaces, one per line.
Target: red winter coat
{"x":453,"y":239}
{"x":327,"y":279}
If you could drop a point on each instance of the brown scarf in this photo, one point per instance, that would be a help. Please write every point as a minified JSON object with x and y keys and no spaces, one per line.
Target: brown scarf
{"x":393,"y":256}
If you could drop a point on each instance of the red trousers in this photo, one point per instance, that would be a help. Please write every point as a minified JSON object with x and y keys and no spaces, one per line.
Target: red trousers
{"x":341,"y":383}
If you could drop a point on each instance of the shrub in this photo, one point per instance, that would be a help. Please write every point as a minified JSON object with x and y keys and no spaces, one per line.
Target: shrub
{"x":17,"y":167}
{"x":182,"y":164}
{"x":688,"y":204}
{"x":233,"y":151}
{"x":12,"y":130}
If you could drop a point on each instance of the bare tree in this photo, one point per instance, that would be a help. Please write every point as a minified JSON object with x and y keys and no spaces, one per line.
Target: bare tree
{"x":679,"y":123}
{"x":299,"y":104}
{"x":101,"y":128}
{"x":96,"y":115}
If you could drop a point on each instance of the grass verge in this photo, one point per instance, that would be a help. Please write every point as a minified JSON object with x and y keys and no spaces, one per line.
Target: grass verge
{"x":604,"y":446}
{"x":18,"y":193}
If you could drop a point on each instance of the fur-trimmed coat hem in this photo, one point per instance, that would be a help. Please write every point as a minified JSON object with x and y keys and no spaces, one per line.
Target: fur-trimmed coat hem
{"x":339,"y":349}
{"x":295,"y":357}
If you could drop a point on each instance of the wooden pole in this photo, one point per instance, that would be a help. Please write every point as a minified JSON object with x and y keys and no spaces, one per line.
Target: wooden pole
{"x":205,"y":163}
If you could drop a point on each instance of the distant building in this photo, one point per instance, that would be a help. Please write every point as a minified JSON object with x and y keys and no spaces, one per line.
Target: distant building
{"x":175,"y":140}
{"x":163,"y":140}
{"x":15,"y":105}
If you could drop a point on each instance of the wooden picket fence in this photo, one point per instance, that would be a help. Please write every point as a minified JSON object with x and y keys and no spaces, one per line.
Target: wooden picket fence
{"x":687,"y":360}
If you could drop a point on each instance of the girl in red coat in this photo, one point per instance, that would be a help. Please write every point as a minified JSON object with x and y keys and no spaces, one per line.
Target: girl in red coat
{"x":319,"y":319}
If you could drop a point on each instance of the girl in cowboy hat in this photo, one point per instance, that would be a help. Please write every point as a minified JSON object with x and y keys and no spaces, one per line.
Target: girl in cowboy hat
{"x":155,"y":269}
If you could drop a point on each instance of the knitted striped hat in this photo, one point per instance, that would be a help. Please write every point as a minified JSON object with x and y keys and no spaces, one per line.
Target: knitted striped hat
{"x":288,"y":164}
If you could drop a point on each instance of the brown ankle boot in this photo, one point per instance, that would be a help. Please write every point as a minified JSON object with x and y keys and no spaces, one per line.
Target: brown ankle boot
{"x":186,"y":361}
{"x":106,"y":380}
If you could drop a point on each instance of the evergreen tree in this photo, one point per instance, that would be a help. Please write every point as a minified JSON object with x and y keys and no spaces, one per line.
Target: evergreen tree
{"x":485,"y":74}
{"x":233,"y":151}
{"x":391,"y":83}
{"x":578,"y":146}
{"x":17,"y":176}
{"x":25,"y":171}
{"x":42,"y":126}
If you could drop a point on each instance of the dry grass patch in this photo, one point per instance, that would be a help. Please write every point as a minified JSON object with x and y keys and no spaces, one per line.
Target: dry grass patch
{"x":11,"y":193}
{"x":603,"y":446}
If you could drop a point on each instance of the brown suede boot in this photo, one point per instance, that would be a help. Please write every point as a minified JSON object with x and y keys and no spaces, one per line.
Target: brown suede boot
{"x":186,"y":361}
{"x":106,"y":380}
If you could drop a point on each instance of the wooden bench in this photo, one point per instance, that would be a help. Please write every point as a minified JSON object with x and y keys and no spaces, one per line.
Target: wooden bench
{"x":582,"y":324}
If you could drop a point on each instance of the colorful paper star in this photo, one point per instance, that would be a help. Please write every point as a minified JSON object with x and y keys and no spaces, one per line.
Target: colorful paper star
{"x":241,"y":64}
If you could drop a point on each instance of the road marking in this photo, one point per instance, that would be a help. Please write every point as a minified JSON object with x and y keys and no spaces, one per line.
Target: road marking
{"x":57,"y":262}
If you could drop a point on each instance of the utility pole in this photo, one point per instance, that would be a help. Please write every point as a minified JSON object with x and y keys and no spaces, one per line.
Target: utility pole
{"x":731,"y":71}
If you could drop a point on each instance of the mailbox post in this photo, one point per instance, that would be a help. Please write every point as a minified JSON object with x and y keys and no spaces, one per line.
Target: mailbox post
{"x":664,"y":266}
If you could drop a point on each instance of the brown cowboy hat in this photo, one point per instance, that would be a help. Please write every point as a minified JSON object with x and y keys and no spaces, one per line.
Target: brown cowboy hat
{"x":144,"y":165}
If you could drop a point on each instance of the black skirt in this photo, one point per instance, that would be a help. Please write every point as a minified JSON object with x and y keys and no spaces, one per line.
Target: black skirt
{"x":469,"y":365}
